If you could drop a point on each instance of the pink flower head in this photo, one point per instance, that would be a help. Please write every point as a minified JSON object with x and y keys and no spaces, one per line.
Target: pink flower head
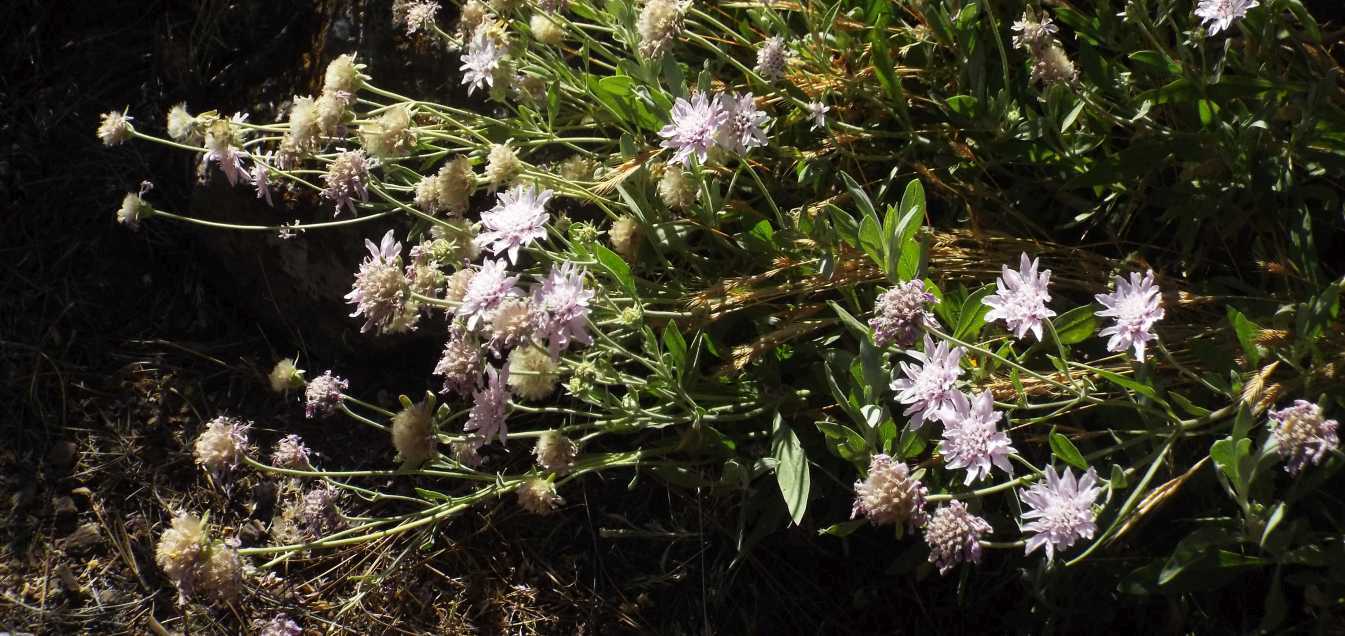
{"x":928,"y":386}
{"x":1062,"y":510}
{"x":1136,"y":305}
{"x":488,"y":288}
{"x":381,"y":287}
{"x":1021,"y":298}
{"x":890,"y":495}
{"x":347,"y":179}
{"x":323,"y":395}
{"x":518,"y":219}
{"x":971,"y":439}
{"x":490,"y":406}
{"x":742,"y":128}
{"x":693,"y":128}
{"x":900,"y":314}
{"x":561,"y":306}
{"x":1302,"y":436}
{"x":954,"y":536}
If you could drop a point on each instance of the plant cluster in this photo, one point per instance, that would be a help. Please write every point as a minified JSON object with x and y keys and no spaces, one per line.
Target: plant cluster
{"x":644,"y":249}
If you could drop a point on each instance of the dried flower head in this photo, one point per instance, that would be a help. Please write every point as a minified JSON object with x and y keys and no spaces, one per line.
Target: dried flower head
{"x":460,"y":364}
{"x":343,"y":75}
{"x":196,"y":564}
{"x":901,"y":313}
{"x":392,"y":134}
{"x":539,"y":497}
{"x":1302,"y":436}
{"x":305,"y":125}
{"x":659,"y":25}
{"x":510,"y":323}
{"x":418,"y":17}
{"x":555,"y":452}
{"x":183,"y":126}
{"x":1218,"y":15}
{"x":693,"y":128}
{"x":928,"y":387}
{"x":222,"y":141}
{"x":1135,"y":305}
{"x":546,"y":29}
{"x":449,"y":190}
{"x":413,"y":433}
{"x":221,"y":573}
{"x":115,"y":128}
{"x":772,"y":59}
{"x":971,"y":439}
{"x":318,"y":511}
{"x":954,"y":536}
{"x":474,"y":13}
{"x":518,"y":218}
{"x":323,"y":395}
{"x":487,"y":289}
{"x":133,"y":210}
{"x":347,"y":179}
{"x":290,"y":452}
{"x":467,"y":452}
{"x":577,"y":168}
{"x":502,"y":165}
{"x":889,"y":495}
{"x":279,"y":625}
{"x":625,"y":237}
{"x":561,"y":307}
{"x":490,"y":406}
{"x":1053,"y":66}
{"x":331,"y":109}
{"x":1062,"y":510}
{"x":458,"y":284}
{"x":533,"y":374}
{"x":382,"y":290}
{"x":222,"y":445}
{"x":1020,"y":299}
{"x":676,"y":189}
{"x":285,"y":376}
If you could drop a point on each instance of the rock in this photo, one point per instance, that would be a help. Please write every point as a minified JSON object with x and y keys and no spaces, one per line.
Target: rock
{"x":63,"y":509}
{"x":63,"y":455}
{"x":83,"y":539}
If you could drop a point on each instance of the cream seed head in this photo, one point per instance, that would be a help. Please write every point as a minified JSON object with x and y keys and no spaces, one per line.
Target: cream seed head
{"x":305,"y":124}
{"x":533,"y":374}
{"x":392,"y":134}
{"x":343,"y":75}
{"x":222,"y":445}
{"x":182,"y":126}
{"x":502,"y":165}
{"x":546,"y":29}
{"x":473,"y":14}
{"x":659,"y":25}
{"x":413,"y":433}
{"x":331,"y":111}
{"x":577,"y":168}
{"x":115,"y":128}
{"x":625,"y":237}
{"x":555,"y":452}
{"x":286,"y":377}
{"x":133,"y":210}
{"x":510,"y":323}
{"x":676,"y":189}
{"x":539,"y":497}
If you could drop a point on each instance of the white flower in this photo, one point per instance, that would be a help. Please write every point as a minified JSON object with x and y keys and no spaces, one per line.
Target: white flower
{"x":483,"y":57}
{"x":518,"y":219}
{"x":1218,"y":15}
{"x":1021,"y":298}
{"x":487,"y":289}
{"x":1136,"y":305}
{"x":817,"y":112}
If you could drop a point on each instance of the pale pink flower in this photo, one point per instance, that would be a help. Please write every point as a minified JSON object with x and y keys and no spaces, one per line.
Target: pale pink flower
{"x":1136,"y":305}
{"x":928,"y":387}
{"x":1062,"y":510}
{"x":1021,"y":298}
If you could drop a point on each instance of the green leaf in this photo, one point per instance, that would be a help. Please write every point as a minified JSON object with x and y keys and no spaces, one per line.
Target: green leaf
{"x":1185,"y":404}
{"x":861,"y":198}
{"x":676,"y":345}
{"x":1118,"y":479}
{"x":1193,"y":549}
{"x":845,"y":441}
{"x":1063,"y":448}
{"x":791,"y":468}
{"x":1075,"y":325}
{"x":1127,"y":383}
{"x":972,"y":317}
{"x":905,"y":251}
{"x":615,"y":266}
{"x":871,"y":239}
{"x":1246,"y":331}
{"x":861,"y":330}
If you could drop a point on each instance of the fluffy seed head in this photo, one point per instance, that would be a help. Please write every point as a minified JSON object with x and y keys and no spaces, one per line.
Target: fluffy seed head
{"x":285,"y":376}
{"x":180,"y":549}
{"x":391,"y":135}
{"x":474,"y":13}
{"x":305,"y":125}
{"x":555,"y":452}
{"x":1053,"y":66}
{"x":115,"y":128}
{"x":413,"y":433}
{"x":182,"y":126}
{"x":659,"y":25}
{"x":546,"y":29}
{"x":533,"y":375}
{"x":502,"y":165}
{"x":954,"y":535}
{"x":343,"y":75}
{"x":419,"y":17}
{"x":1302,"y":436}
{"x":449,"y":190}
{"x":133,"y":210}
{"x":577,"y":168}
{"x":331,"y":111}
{"x":222,"y":444}
{"x":676,"y":189}
{"x":323,"y":395}
{"x":318,"y":513}
{"x":221,"y":574}
{"x":889,"y":495}
{"x":458,"y":283}
{"x":510,"y":323}
{"x":539,"y":497}
{"x":625,"y":237}
{"x":901,"y":313}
